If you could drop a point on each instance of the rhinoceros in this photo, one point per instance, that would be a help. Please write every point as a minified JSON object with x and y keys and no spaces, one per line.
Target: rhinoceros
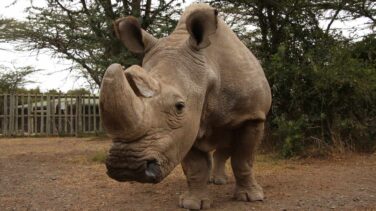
{"x":198,"y":90}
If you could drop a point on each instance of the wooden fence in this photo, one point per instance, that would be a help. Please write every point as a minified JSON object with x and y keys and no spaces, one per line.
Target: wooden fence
{"x":38,"y":114}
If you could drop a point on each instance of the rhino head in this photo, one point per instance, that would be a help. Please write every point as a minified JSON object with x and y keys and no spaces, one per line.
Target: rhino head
{"x":153,"y":112}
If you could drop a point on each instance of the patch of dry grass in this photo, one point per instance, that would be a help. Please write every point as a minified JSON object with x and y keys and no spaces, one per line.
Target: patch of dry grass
{"x":99,"y":156}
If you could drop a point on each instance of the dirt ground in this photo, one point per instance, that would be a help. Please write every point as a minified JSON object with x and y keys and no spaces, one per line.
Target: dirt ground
{"x":63,"y":174}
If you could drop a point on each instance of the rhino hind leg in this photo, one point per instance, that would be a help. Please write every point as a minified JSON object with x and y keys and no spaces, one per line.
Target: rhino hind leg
{"x":196,"y":166}
{"x":242,"y":157}
{"x":220,"y":156}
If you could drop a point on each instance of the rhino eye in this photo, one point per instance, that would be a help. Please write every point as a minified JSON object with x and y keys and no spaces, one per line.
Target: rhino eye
{"x":179,"y":107}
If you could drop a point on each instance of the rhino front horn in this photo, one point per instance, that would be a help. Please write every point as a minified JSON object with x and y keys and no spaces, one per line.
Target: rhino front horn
{"x":120,"y":108}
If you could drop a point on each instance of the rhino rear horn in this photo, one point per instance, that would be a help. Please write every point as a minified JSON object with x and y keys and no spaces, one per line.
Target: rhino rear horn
{"x":142,"y":83}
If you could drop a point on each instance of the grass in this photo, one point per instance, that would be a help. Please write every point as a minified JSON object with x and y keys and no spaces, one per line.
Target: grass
{"x":99,"y":156}
{"x":268,"y":158}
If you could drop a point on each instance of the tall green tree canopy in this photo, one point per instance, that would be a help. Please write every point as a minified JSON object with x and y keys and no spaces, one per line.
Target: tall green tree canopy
{"x":81,"y":30}
{"x":275,"y":22}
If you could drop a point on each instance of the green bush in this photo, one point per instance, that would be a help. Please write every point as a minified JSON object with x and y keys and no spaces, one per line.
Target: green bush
{"x":323,"y":94}
{"x":290,"y":134}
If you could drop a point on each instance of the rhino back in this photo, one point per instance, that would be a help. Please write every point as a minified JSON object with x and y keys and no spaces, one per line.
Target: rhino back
{"x":241,"y":92}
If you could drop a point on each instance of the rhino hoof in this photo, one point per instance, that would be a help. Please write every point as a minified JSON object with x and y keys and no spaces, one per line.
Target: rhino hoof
{"x":218,"y":180}
{"x":250,"y":194}
{"x":191,"y":202}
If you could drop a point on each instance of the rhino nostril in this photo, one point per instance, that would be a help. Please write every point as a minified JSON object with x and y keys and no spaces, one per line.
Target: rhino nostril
{"x":152,"y":170}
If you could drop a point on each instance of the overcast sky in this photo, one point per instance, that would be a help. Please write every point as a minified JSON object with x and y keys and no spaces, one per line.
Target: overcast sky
{"x":53,"y":75}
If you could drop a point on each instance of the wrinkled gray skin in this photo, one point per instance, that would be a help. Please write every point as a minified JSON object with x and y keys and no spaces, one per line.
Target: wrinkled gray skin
{"x":198,"y":90}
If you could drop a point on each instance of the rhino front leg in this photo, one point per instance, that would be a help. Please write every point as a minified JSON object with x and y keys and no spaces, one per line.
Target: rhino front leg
{"x":242,"y":157}
{"x":196,"y":166}
{"x":220,"y":157}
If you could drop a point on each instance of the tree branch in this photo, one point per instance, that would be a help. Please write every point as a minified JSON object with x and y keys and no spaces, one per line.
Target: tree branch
{"x":333,"y":19}
{"x":157,"y":11}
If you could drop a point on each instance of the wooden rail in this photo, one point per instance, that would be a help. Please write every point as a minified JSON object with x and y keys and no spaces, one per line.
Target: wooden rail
{"x":38,"y":114}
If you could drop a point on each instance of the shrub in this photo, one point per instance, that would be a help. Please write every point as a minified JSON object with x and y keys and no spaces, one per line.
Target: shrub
{"x":326,"y":93}
{"x":290,"y":134}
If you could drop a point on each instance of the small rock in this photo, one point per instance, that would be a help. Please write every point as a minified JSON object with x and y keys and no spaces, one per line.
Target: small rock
{"x":300,"y":203}
{"x":356,"y":199}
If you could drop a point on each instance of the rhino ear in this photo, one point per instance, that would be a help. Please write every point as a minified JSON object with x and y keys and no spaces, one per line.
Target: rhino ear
{"x":129,"y":31}
{"x":200,"y":24}
{"x":141,"y":82}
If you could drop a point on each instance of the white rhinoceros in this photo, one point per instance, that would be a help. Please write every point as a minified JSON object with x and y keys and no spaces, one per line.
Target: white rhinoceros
{"x":199,"y":89}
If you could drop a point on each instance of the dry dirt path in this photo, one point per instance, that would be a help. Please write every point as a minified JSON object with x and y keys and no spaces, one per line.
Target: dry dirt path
{"x":60,"y":174}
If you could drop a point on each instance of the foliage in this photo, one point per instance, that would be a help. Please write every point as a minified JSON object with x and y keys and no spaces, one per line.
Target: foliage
{"x":323,"y":85}
{"x":332,"y":91}
{"x":53,"y":92}
{"x":13,"y":79}
{"x":29,"y":91}
{"x":274,"y":22}
{"x":81,"y":30}
{"x":80,"y":91}
{"x":289,"y":133}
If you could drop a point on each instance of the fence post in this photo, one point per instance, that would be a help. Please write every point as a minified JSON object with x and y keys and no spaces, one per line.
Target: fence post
{"x":89,"y":114}
{"x":59,"y":115}
{"x":65,"y":114}
{"x":23,"y":114}
{"x":42,"y":115}
{"x":15,"y":113}
{"x":35,"y":117}
{"x":83,"y":114}
{"x":11,"y":114}
{"x":29,"y":120}
{"x":72,"y":122}
{"x":53,"y":112}
{"x":78,"y":116}
{"x":5,"y":121}
{"x":95,"y":114}
{"x":48,"y":114}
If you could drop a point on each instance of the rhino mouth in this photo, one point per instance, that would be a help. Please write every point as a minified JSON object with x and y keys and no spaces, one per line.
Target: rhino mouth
{"x":131,"y":162}
{"x":148,"y":172}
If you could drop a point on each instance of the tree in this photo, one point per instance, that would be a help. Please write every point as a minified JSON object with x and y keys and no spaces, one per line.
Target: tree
{"x":80,"y":91}
{"x":275,"y":22}
{"x":13,"y":79}
{"x":323,"y":84}
{"x":82,"y":31}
